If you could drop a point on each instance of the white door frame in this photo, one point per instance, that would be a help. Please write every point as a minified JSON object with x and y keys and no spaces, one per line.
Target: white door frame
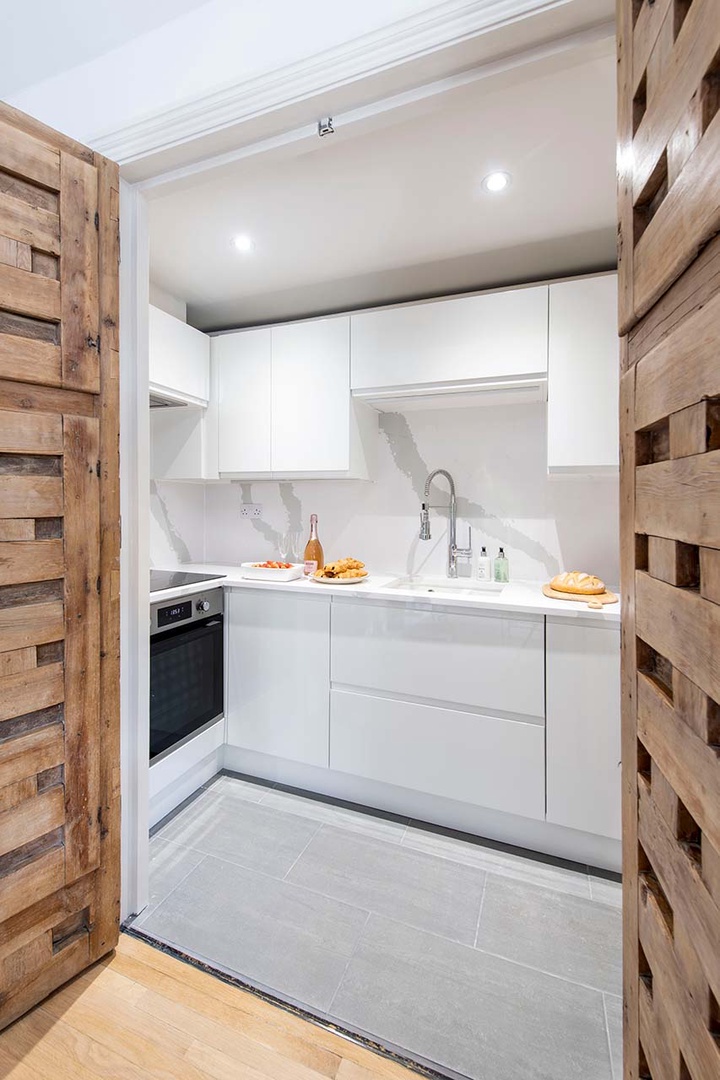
{"x":134,"y":374}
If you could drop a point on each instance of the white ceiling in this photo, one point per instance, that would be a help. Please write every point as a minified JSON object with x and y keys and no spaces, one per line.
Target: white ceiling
{"x":48,"y":37}
{"x":397,"y":210}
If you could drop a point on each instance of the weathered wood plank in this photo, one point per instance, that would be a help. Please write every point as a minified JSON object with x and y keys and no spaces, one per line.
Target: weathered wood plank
{"x":83,"y":738}
{"x":58,"y":970}
{"x":31,"y":690}
{"x":15,"y":661}
{"x":15,"y":793}
{"x":695,"y":430}
{"x":36,"y":879}
{"x":79,"y":275}
{"x":45,"y":913}
{"x":30,"y":433}
{"x":27,"y":157}
{"x":36,"y":496}
{"x":710,"y":574}
{"x":32,"y":753}
{"x":29,"y":294}
{"x":17,"y":529}
{"x":672,"y":561}
{"x":30,"y":819}
{"x":29,"y":225}
{"x":31,"y":624}
{"x":26,"y":360}
{"x":649,"y":21}
{"x":687,"y":218}
{"x":682,"y":627}
{"x":39,"y":560}
{"x":24,"y":397}
{"x":680,"y":498}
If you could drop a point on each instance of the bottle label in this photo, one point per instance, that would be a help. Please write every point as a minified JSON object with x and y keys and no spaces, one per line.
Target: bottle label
{"x":310,"y":567}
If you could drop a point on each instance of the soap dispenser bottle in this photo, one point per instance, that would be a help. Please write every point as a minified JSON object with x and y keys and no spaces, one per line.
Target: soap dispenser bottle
{"x":484,"y":566}
{"x":501,"y":567}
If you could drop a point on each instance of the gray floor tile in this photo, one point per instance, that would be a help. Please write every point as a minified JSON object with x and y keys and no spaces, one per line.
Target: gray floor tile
{"x":421,"y":890}
{"x":564,"y":935}
{"x":605,"y":891}
{"x":284,"y":937}
{"x":522,"y":868}
{"x":377,"y":825}
{"x":238,"y":788}
{"x":467,"y":1011}
{"x":614,"y":1013}
{"x":169,"y":864}
{"x":243,"y":832}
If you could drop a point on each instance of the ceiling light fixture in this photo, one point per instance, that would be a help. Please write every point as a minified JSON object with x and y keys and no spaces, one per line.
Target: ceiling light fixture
{"x":496,"y":181}
{"x":243,"y":243}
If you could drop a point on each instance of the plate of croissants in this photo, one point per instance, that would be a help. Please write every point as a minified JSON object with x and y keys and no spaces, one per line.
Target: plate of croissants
{"x":341,"y":572}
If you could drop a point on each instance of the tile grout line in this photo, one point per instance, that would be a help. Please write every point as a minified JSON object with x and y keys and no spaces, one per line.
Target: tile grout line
{"x":482,"y":904}
{"x":541,"y":971}
{"x":175,"y":886}
{"x":607,"y":1036}
{"x":298,"y":857}
{"x":356,"y":946}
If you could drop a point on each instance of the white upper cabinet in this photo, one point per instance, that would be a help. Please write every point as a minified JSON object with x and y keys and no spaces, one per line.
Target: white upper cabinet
{"x":284,"y":404}
{"x":583,"y":376}
{"x":311,"y":396}
{"x":468,"y":339}
{"x":243,"y":363}
{"x":179,"y":359}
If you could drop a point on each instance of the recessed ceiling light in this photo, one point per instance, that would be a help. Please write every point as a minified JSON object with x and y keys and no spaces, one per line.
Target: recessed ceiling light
{"x":243,"y":243}
{"x":496,"y":181}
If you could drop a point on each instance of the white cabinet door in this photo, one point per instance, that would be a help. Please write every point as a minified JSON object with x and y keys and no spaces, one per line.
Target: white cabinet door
{"x":244,"y":379}
{"x":179,"y":358}
{"x":464,"y":339}
{"x":583,"y":376}
{"x":481,"y":760}
{"x":278,"y":674}
{"x":583,"y":726}
{"x":492,"y":663}
{"x":311,"y":396}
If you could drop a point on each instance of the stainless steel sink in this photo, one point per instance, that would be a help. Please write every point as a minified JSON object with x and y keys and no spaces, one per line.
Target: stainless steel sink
{"x":467,"y":587}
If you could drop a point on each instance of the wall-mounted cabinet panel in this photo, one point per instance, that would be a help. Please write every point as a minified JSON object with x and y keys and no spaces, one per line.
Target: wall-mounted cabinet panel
{"x":489,"y":662}
{"x":583,"y":726}
{"x":243,"y":364}
{"x":278,"y":674}
{"x":179,"y":359}
{"x":311,"y":396}
{"x":583,"y":376}
{"x":464,"y":339}
{"x":480,"y":760}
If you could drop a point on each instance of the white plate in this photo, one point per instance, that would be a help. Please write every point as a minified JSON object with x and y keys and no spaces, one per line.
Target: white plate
{"x":339,"y":581}
{"x":267,"y":573}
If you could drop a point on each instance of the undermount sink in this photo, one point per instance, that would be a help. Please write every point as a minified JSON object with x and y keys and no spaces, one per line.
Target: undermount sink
{"x":457,"y":586}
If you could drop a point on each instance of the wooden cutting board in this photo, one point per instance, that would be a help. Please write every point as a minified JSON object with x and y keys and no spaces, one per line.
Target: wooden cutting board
{"x":591,"y":601}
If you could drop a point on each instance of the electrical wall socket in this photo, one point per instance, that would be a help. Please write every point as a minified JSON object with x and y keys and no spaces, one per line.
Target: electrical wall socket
{"x":251,"y":510}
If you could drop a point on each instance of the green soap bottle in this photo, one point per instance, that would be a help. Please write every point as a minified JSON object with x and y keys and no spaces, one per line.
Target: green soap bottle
{"x":501,"y":567}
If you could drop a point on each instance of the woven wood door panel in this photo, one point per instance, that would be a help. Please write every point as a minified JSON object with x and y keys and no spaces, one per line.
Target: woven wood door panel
{"x":669,"y":143}
{"x":59,"y":550}
{"x":669,"y":208}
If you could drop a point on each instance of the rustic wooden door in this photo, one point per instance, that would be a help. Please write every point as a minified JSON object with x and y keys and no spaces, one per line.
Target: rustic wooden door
{"x":59,"y":560}
{"x":669,"y":205}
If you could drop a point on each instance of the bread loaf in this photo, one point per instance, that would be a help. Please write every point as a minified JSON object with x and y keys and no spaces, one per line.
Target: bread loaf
{"x":574,"y":581}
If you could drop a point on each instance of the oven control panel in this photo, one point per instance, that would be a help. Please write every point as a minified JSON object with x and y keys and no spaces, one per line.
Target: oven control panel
{"x":166,"y":614}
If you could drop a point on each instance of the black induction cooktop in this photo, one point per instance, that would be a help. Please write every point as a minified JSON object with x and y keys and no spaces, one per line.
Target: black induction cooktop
{"x":174,"y":579}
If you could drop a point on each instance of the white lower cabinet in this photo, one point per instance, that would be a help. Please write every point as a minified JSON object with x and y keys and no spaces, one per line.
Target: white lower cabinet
{"x":278,"y":665}
{"x":583,"y":726}
{"x":490,"y":661}
{"x":483,"y":760}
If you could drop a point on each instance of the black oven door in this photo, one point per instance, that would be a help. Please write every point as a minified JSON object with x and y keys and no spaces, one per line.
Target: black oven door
{"x":186,"y":682}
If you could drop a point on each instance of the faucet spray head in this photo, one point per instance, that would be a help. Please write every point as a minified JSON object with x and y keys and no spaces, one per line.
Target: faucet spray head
{"x":424,"y":523}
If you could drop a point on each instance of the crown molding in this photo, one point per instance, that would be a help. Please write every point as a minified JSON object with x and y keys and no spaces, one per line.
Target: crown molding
{"x":442,"y":26}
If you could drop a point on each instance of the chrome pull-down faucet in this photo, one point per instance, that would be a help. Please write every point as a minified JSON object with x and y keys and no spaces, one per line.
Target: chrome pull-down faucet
{"x":454,"y":552}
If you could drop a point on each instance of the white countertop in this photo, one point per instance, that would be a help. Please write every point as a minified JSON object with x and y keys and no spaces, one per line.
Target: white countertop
{"x":524,"y":597}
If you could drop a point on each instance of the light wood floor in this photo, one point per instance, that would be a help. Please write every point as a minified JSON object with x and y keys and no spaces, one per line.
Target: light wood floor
{"x":140,"y":1013}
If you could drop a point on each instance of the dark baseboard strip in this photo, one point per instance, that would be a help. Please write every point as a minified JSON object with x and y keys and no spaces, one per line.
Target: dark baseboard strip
{"x":376,"y":1047}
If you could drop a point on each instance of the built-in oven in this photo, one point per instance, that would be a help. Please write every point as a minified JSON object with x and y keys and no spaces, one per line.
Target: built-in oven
{"x":186,"y":668}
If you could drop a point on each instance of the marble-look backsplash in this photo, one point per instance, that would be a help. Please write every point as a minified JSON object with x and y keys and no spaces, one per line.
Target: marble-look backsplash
{"x":497,"y":458}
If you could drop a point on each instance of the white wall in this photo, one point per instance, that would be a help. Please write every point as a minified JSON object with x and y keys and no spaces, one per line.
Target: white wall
{"x":497,"y":457}
{"x":219,"y":44}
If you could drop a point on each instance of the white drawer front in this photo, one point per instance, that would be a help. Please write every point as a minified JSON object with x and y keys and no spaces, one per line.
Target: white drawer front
{"x":499,"y":764}
{"x":489,"y":662}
